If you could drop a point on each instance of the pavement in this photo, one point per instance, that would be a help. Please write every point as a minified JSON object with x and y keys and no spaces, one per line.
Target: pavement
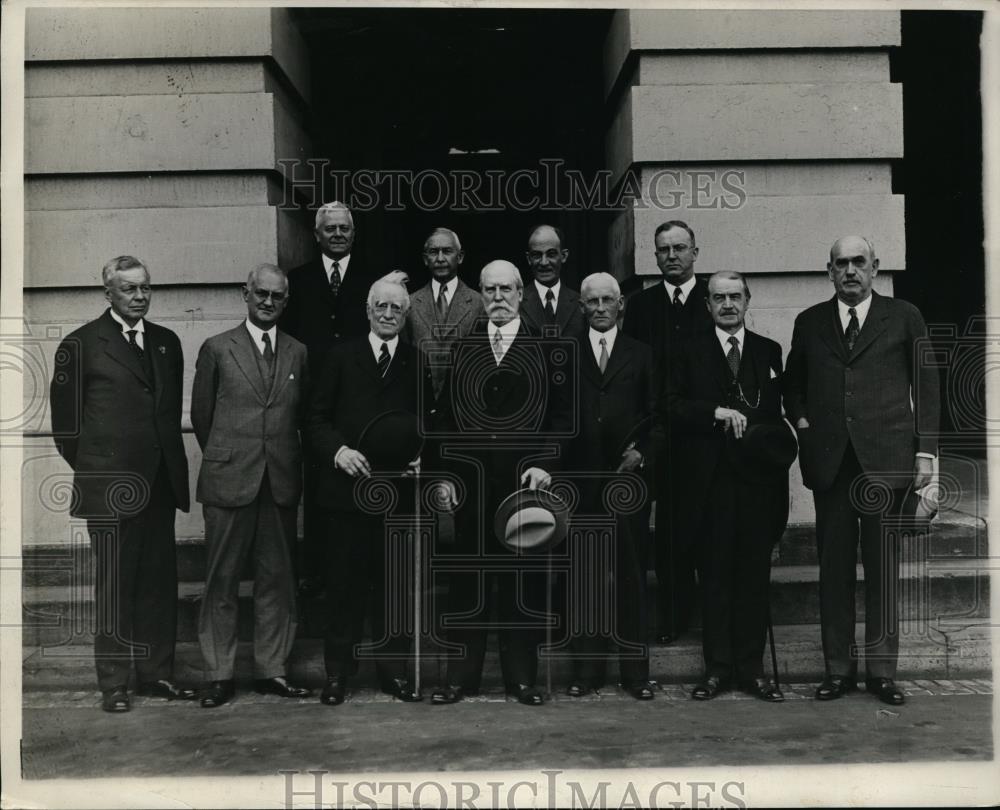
{"x":66,"y":735}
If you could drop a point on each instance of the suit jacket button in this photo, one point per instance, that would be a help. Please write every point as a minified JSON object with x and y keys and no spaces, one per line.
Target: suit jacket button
{"x":146,"y":390}
{"x":850,"y":418}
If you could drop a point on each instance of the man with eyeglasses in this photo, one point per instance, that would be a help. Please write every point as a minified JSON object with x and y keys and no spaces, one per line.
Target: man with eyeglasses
{"x":723,"y":397}
{"x":247,"y":405}
{"x":444,"y":310}
{"x":548,"y":303}
{"x":663,"y":317}
{"x":363,"y":381}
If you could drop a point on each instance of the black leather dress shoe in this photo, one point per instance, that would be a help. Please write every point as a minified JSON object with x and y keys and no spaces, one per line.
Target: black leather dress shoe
{"x":335,"y":691}
{"x":217,"y":693}
{"x":281,"y":687}
{"x":115,"y":700}
{"x":886,"y":691}
{"x":528,"y":695}
{"x":763,"y":689}
{"x":641,"y":691}
{"x":446,"y":695}
{"x":401,"y":689}
{"x":577,"y":689}
{"x":835,"y":686}
{"x":165,"y":689}
{"x":708,"y":688}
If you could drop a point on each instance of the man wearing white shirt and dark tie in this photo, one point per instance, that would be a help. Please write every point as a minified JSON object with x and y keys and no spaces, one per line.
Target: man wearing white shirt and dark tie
{"x":247,"y":404}
{"x":445,"y":309}
{"x":614,"y":448}
{"x":549,"y":305}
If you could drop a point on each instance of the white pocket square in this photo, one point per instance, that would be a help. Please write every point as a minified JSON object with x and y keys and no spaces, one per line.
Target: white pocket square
{"x":773,"y":373}
{"x":292,"y":376}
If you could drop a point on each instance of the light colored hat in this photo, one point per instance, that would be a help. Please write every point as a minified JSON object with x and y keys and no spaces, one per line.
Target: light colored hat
{"x":531,"y":521}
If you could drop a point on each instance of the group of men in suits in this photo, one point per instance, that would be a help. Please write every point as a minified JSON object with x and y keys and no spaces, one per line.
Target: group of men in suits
{"x":509,"y":386}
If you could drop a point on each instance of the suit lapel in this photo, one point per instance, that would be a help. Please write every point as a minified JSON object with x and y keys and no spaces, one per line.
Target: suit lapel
{"x":588,"y":363}
{"x":282,"y":367}
{"x":720,"y":365}
{"x":619,"y":359}
{"x":241,"y":347}
{"x":464,"y":304}
{"x":365,"y":361}
{"x":118,"y":349}
{"x":831,"y":333}
{"x":874,"y":326}
{"x":565,"y":305}
{"x":157,"y":360}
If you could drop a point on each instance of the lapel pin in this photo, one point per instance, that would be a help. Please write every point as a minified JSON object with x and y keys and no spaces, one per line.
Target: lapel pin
{"x":163,"y":349}
{"x":291,"y":376}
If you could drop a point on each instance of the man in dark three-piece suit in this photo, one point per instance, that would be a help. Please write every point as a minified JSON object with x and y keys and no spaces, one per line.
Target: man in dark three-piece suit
{"x":501,"y":407}
{"x":364,"y":380}
{"x":116,"y":413}
{"x":247,"y":404}
{"x":867,"y":414}
{"x":548,"y":303}
{"x":663,"y":317}
{"x":445,"y":309}
{"x":615,"y":395}
{"x":724,"y":401}
{"x":326,"y":306}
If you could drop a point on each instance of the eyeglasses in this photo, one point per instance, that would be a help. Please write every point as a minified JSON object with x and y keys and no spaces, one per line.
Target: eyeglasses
{"x":262,"y":295}
{"x":383,"y":306}
{"x":677,"y":249}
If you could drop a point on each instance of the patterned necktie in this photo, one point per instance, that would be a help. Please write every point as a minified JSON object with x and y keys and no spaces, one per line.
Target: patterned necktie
{"x":384,"y":358}
{"x":335,"y":279}
{"x":733,"y":356}
{"x":602,"y":364}
{"x":268,"y":350}
{"x":678,"y":304}
{"x":442,"y":304}
{"x":550,"y":310}
{"x":498,"y":346}
{"x":134,"y":343}
{"x":853,"y":328}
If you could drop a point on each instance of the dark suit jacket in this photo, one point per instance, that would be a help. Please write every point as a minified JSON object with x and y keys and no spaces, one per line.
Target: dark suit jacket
{"x":434,"y":338}
{"x":507,"y":416}
{"x":316,"y":318}
{"x":614,"y":409}
{"x":111,"y":421}
{"x":348,"y":395}
{"x":700,"y":381}
{"x":569,"y":318}
{"x":862,"y":396}
{"x":244,"y":429}
{"x":649,"y":317}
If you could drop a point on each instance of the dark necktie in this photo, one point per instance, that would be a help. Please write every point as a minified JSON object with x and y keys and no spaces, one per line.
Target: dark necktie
{"x":134,"y":343}
{"x":853,"y":328}
{"x":678,"y":304}
{"x":733,"y":356}
{"x":442,"y":304}
{"x":384,"y":358}
{"x":335,"y":279}
{"x":550,"y":310}
{"x":268,"y":350}
{"x":602,"y":364}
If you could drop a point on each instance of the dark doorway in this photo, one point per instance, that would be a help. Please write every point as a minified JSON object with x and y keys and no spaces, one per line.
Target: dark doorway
{"x":941,"y":176}
{"x":460,"y":93}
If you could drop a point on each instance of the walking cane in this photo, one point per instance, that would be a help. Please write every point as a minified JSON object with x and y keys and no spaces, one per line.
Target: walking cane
{"x":417,"y":564}
{"x":770,"y":637}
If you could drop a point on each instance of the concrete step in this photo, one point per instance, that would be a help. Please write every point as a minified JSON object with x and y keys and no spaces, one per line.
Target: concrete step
{"x":926,"y":651}
{"x":52,"y":564}
{"x":938,"y":589}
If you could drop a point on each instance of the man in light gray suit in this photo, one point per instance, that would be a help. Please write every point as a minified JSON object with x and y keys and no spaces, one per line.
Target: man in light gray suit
{"x":445,"y":309}
{"x":248,"y":400}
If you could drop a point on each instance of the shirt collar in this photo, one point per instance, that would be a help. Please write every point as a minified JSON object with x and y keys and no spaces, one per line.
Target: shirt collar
{"x":508,"y":331}
{"x":685,"y":288}
{"x":542,"y":290}
{"x":723,"y":338}
{"x":861,"y":309}
{"x":257,"y":334}
{"x":449,"y":287}
{"x":609,"y":338}
{"x":140,"y":326}
{"x":343,"y":261}
{"x":376,"y":343}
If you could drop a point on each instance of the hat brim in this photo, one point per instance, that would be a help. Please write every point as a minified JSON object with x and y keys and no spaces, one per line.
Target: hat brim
{"x":391,"y":441}
{"x":531,"y":542}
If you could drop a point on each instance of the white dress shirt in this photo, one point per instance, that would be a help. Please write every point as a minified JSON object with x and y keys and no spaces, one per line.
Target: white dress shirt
{"x":543,"y":291}
{"x":609,"y":341}
{"x":140,"y":329}
{"x":860,"y":309}
{"x":685,"y":289}
{"x":376,"y":343}
{"x":723,"y":337}
{"x":449,"y":289}
{"x":342,"y":262}
{"x":258,"y":336}
{"x":507,"y":334}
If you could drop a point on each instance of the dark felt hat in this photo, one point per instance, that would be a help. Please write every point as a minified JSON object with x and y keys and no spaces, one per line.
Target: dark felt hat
{"x":391,"y":441}
{"x":772,"y":444}
{"x":531,"y":521}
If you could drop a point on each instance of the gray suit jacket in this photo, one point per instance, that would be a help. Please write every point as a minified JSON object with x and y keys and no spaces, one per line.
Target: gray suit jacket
{"x":424,"y":331}
{"x":244,"y":429}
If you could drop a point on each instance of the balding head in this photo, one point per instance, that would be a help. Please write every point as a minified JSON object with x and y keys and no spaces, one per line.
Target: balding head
{"x":546,"y":254}
{"x":852,"y":268}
